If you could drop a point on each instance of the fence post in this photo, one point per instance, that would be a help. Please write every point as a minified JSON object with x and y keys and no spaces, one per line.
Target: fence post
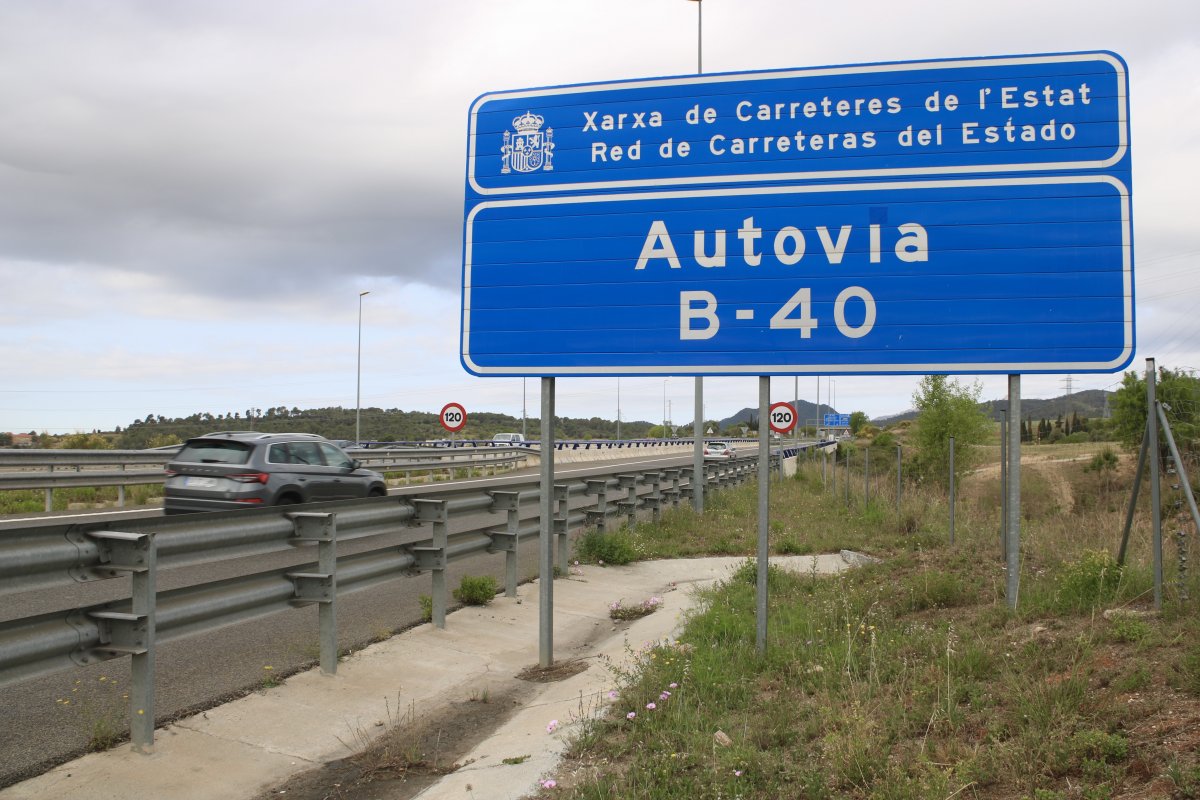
{"x":866,"y":475}
{"x":899,"y":475}
{"x":847,"y":477}
{"x":951,"y":490}
{"x":1155,"y":481}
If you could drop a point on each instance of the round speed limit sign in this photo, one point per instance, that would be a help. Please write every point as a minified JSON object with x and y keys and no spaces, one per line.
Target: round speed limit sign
{"x":453,"y":417}
{"x":782,"y":417}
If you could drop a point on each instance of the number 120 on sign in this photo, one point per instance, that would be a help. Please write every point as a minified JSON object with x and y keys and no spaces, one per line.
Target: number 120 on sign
{"x":782,"y":417}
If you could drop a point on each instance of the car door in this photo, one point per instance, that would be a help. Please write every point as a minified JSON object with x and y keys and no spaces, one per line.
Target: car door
{"x":308,"y":471}
{"x":344,"y":481}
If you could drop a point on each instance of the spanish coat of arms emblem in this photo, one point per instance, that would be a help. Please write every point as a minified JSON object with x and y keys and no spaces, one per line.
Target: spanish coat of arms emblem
{"x":529,"y":148}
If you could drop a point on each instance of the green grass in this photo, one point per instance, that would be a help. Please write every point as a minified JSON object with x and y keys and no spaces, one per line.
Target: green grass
{"x":910,"y":678}
{"x":32,"y":501}
{"x":476,"y":590}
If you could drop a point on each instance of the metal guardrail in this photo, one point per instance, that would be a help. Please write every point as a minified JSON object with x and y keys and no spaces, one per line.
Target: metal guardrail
{"x":20,"y":469}
{"x":58,"y":555}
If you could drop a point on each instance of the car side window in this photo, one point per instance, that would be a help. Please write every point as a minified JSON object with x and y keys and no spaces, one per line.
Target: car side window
{"x":335,"y":457}
{"x":304,"y":453}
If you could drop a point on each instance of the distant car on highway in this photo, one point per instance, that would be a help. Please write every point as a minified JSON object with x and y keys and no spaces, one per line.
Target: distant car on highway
{"x":718,"y":450}
{"x":508,"y":438}
{"x":244,"y":469}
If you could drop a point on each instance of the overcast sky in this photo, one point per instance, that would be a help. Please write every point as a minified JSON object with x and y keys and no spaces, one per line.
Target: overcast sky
{"x":193,"y":193}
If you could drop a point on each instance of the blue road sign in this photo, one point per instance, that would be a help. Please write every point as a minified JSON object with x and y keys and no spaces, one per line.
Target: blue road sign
{"x":836,"y":421}
{"x":996,"y":115}
{"x":964,"y":216}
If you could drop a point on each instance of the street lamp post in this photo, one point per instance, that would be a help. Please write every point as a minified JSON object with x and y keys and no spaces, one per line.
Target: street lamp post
{"x":358,"y":377}
{"x":618,"y":409}
{"x":664,"y":408}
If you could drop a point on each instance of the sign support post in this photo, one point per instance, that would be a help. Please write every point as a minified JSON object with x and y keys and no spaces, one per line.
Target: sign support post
{"x":698,"y":450}
{"x":546,"y":530}
{"x":764,"y":495}
{"x":1013,"y":493}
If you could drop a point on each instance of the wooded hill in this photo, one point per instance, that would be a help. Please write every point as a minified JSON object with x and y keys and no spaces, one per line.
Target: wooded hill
{"x":377,"y":425}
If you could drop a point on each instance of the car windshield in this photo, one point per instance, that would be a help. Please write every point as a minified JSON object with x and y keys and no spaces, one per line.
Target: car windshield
{"x":214,"y":452}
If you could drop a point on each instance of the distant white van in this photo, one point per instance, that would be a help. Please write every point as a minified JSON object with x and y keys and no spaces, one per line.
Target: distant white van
{"x":508,"y":438}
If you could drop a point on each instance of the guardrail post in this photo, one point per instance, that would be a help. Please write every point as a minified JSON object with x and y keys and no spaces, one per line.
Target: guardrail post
{"x":562,"y":494}
{"x":321,"y":586}
{"x":686,"y":474}
{"x":506,"y":541}
{"x":629,"y":505}
{"x":433,"y":558}
{"x":671,"y":493}
{"x":598,"y":516}
{"x":654,"y":500}
{"x":132,"y":634}
{"x":50,"y":495}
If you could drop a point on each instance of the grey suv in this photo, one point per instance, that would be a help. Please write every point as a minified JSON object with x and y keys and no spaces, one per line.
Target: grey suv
{"x":245,"y":469}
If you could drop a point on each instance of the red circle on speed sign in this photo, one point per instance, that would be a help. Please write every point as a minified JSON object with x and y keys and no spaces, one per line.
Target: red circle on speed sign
{"x":782,"y":417}
{"x":453,"y":417}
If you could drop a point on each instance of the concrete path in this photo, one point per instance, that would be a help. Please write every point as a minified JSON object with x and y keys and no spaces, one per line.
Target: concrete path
{"x":243,"y":748}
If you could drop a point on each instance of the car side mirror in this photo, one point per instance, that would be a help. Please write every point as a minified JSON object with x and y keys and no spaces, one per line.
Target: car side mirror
{"x":355,"y":464}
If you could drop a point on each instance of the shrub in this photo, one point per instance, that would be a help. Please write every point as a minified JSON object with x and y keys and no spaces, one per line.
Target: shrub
{"x":1091,"y":581}
{"x":476,"y":590}
{"x":606,"y":548}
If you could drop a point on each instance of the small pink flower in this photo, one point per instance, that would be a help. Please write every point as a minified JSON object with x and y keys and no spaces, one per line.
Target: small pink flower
{"x":631,"y":715}
{"x":615,"y":605}
{"x":549,"y":783}
{"x":651,"y":706}
{"x":664,"y":695}
{"x":552,"y":727}
{"x":737,"y":772}
{"x":674,"y":685}
{"x":612,"y":695}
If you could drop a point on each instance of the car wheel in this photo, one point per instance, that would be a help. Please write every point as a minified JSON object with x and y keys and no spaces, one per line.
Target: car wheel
{"x":377,"y":492}
{"x":288,"y":500}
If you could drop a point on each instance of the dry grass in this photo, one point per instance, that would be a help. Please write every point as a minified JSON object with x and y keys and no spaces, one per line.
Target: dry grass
{"x":912,"y":678}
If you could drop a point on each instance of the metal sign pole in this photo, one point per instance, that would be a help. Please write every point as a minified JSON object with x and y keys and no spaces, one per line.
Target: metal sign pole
{"x":1004,"y":486}
{"x":698,"y":450}
{"x":764,"y":494}
{"x":1013,"y":494}
{"x":546,"y":530}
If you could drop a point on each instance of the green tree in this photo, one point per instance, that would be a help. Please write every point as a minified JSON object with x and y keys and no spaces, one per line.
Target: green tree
{"x":84,"y":441}
{"x":1178,"y":391}
{"x":947,"y":408}
{"x":857,"y":420}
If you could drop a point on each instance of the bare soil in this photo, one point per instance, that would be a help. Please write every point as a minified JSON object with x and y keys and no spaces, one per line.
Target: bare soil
{"x":415,"y":753}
